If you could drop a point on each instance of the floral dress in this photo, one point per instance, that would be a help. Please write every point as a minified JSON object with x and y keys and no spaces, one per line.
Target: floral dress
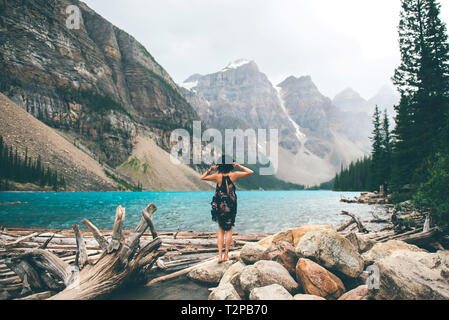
{"x":224,"y":204}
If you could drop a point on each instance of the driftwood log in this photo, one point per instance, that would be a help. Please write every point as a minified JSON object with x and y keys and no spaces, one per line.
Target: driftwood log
{"x":359,"y":223}
{"x":346,"y":225}
{"x":121,"y":260}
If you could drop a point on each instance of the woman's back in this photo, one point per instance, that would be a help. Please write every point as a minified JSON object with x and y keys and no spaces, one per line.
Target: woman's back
{"x":224,"y":202}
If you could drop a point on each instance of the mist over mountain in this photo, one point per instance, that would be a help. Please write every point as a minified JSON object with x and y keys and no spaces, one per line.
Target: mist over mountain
{"x":351,"y":101}
{"x":386,"y":98}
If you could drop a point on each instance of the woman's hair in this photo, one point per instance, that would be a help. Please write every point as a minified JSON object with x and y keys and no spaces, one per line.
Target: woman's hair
{"x":226,"y":165}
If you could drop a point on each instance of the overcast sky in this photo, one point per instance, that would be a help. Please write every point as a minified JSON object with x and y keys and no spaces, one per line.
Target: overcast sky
{"x":340,"y":43}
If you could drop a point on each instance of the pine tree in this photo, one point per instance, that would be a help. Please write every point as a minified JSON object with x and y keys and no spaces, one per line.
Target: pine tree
{"x":355,"y":177}
{"x":387,"y":151}
{"x":423,"y":82}
{"x":13,"y":167}
{"x":377,"y":150}
{"x":435,"y":85}
{"x":404,"y":160}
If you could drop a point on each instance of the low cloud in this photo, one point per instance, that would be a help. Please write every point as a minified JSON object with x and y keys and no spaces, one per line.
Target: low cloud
{"x":346,"y":43}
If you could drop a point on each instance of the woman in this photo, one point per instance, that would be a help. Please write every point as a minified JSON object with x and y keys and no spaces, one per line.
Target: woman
{"x":224,"y":202}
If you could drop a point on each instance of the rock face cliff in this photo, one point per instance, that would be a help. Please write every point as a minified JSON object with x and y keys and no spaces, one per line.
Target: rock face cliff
{"x":240,"y":97}
{"x":99,"y":89}
{"x":29,"y":135}
{"x":96,"y":82}
{"x":313,"y":140}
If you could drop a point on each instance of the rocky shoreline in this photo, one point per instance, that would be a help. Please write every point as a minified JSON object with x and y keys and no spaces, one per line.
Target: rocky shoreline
{"x":315,"y":262}
{"x":404,"y":260}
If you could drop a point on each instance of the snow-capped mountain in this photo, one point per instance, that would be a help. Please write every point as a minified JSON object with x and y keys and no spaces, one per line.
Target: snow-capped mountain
{"x":312,"y":142}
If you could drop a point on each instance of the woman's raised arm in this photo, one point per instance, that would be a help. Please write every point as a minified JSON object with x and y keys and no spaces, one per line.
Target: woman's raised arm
{"x":207,"y":175}
{"x":241,"y":174}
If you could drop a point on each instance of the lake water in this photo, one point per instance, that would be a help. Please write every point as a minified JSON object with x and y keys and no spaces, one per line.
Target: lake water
{"x":258,"y":211}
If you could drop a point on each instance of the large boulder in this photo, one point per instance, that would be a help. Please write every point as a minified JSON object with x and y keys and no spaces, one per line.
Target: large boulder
{"x":413,"y":275}
{"x":271,"y":292}
{"x":210,"y":272}
{"x":266,"y":242}
{"x":252,"y":252}
{"x":298,"y":233}
{"x":307,"y":297}
{"x":265,"y":273}
{"x":385,"y":249}
{"x":331,"y":250}
{"x":284,"y":253}
{"x":235,"y":281}
{"x":224,"y":292}
{"x":231,"y":272}
{"x":360,"y":293}
{"x":287,"y":236}
{"x":360,"y":242}
{"x":316,"y":280}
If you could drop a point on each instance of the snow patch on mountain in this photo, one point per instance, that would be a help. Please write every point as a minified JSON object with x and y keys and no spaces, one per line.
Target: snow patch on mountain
{"x":299,"y":134}
{"x":236,"y":64}
{"x":189,"y":85}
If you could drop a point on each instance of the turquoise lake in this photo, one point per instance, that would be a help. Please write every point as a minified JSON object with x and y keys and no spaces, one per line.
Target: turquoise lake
{"x":258,"y":211}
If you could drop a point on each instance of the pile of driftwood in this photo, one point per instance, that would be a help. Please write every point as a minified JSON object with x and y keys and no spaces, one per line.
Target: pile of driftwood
{"x":38,"y":263}
{"x":368,"y":198}
{"x":397,"y":226}
{"x":55,"y":265}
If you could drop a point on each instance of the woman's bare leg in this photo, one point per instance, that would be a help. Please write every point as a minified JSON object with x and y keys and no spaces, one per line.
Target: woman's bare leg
{"x":228,"y":244}
{"x":220,"y":238}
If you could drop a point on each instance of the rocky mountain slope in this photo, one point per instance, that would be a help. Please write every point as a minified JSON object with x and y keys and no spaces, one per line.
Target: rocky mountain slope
{"x":99,"y":88}
{"x":96,"y":82}
{"x":314,"y":138}
{"x":150,"y":166}
{"x":24,"y":132}
{"x":239,"y":97}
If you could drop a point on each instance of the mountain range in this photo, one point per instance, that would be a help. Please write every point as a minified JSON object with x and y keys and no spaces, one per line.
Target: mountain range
{"x":115,"y":106}
{"x":316,"y":134}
